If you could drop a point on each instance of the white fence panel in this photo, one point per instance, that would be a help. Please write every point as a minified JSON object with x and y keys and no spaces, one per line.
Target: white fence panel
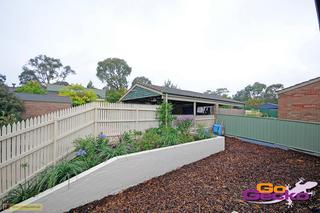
{"x":42,"y":141}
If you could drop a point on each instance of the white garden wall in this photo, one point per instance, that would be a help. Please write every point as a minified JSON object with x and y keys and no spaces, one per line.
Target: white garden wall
{"x":122,"y":172}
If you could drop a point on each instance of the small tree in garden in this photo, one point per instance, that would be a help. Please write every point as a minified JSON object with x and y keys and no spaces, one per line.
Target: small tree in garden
{"x":78,"y":94}
{"x":114,"y":95}
{"x":33,"y":87}
{"x":164,"y":114}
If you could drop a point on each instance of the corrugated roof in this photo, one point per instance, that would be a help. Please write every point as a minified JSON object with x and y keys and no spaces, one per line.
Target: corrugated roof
{"x":302,"y":84}
{"x":43,"y":98}
{"x":188,"y":93}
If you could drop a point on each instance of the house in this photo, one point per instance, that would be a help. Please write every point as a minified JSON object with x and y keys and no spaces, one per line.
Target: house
{"x":301,"y":101}
{"x":35,"y":104}
{"x":201,"y":107}
{"x":54,"y":89}
{"x":269,"y":109}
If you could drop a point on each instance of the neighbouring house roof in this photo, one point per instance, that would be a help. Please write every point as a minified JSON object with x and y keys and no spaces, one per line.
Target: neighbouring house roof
{"x":56,"y":88}
{"x":43,"y":98}
{"x":268,"y":106}
{"x":143,"y":90}
{"x":302,"y":84}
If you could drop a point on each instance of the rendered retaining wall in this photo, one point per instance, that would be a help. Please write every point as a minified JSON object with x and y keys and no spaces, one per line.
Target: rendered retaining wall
{"x":122,"y":172}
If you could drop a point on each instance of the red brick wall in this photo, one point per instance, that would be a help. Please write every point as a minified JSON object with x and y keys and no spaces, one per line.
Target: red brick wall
{"x":301,"y":103}
{"x":35,"y":108}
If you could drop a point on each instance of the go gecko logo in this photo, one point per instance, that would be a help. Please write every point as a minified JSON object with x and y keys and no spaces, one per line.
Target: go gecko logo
{"x":267,"y":193}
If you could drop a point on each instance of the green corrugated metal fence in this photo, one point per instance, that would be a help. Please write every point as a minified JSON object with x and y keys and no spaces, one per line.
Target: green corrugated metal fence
{"x":292,"y":134}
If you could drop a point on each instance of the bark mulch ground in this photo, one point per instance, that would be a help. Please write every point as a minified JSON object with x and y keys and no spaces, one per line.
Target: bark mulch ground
{"x":215,"y":183}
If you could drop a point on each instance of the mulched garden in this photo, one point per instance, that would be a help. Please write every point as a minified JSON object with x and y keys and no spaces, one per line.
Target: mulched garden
{"x":215,"y":183}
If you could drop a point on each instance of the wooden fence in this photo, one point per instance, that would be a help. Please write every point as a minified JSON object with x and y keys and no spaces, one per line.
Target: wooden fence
{"x":42,"y":141}
{"x":224,"y":111}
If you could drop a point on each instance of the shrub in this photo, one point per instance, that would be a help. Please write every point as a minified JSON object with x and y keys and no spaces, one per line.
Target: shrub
{"x":202,"y":133}
{"x":164,"y":114}
{"x":33,"y":87}
{"x":113,"y":95}
{"x":78,"y":94}
{"x":169,"y":136}
{"x":10,"y":107}
{"x":150,"y":140}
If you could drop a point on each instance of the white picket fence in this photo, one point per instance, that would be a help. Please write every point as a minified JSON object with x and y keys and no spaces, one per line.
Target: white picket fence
{"x":42,"y":141}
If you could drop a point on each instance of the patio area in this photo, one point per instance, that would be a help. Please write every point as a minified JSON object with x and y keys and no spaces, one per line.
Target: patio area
{"x":215,"y":183}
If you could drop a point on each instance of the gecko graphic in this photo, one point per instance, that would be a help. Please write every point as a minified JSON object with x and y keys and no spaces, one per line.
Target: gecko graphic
{"x":299,"y":187}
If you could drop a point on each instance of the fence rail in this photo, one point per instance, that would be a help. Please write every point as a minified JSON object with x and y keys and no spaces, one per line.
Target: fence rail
{"x":293,"y":134}
{"x":42,"y":141}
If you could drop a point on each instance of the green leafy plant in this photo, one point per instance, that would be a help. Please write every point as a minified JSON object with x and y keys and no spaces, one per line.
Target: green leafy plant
{"x":114,"y":95}
{"x":33,"y":87}
{"x":63,"y":171}
{"x":164,"y":114}
{"x":78,"y":94}
{"x":202,"y":133}
{"x":21,"y":193}
{"x":10,"y":107}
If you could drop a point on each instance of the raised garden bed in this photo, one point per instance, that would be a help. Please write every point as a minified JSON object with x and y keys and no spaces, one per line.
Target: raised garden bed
{"x":215,"y":183}
{"x":121,"y":172}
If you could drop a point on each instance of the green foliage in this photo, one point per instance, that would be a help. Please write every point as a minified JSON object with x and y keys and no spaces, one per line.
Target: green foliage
{"x":54,"y":175}
{"x":202,"y":133}
{"x":150,"y":140}
{"x":114,"y":96}
{"x":254,"y":103}
{"x":3,"y":79}
{"x":90,"y":85}
{"x":33,"y":87}
{"x":141,"y":80}
{"x":223,"y":92}
{"x":169,"y":84}
{"x":78,"y":94}
{"x":44,"y":69}
{"x":114,"y":72}
{"x":164,"y":114}
{"x":91,"y":151}
{"x":10,"y":107}
{"x":21,"y":193}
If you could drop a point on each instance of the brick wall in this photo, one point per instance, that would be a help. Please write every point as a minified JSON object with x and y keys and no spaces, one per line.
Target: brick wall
{"x":36,"y":108}
{"x":302,"y":103}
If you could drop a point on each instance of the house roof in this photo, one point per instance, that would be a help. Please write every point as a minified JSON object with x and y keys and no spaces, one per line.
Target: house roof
{"x":268,"y":106}
{"x":43,"y":98}
{"x":302,"y":84}
{"x":56,"y":88}
{"x":186,"y":93}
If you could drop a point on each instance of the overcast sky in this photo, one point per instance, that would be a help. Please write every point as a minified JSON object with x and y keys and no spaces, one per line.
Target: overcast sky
{"x":199,"y":45}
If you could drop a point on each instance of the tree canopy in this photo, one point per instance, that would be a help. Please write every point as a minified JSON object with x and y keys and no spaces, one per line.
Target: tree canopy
{"x":114,"y":72}
{"x":10,"y":107}
{"x":78,"y":94}
{"x":223,"y":92}
{"x":90,"y":85}
{"x":141,"y":80}
{"x":44,"y":69}
{"x":2,"y":78}
{"x":169,"y":84}
{"x":33,"y":87}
